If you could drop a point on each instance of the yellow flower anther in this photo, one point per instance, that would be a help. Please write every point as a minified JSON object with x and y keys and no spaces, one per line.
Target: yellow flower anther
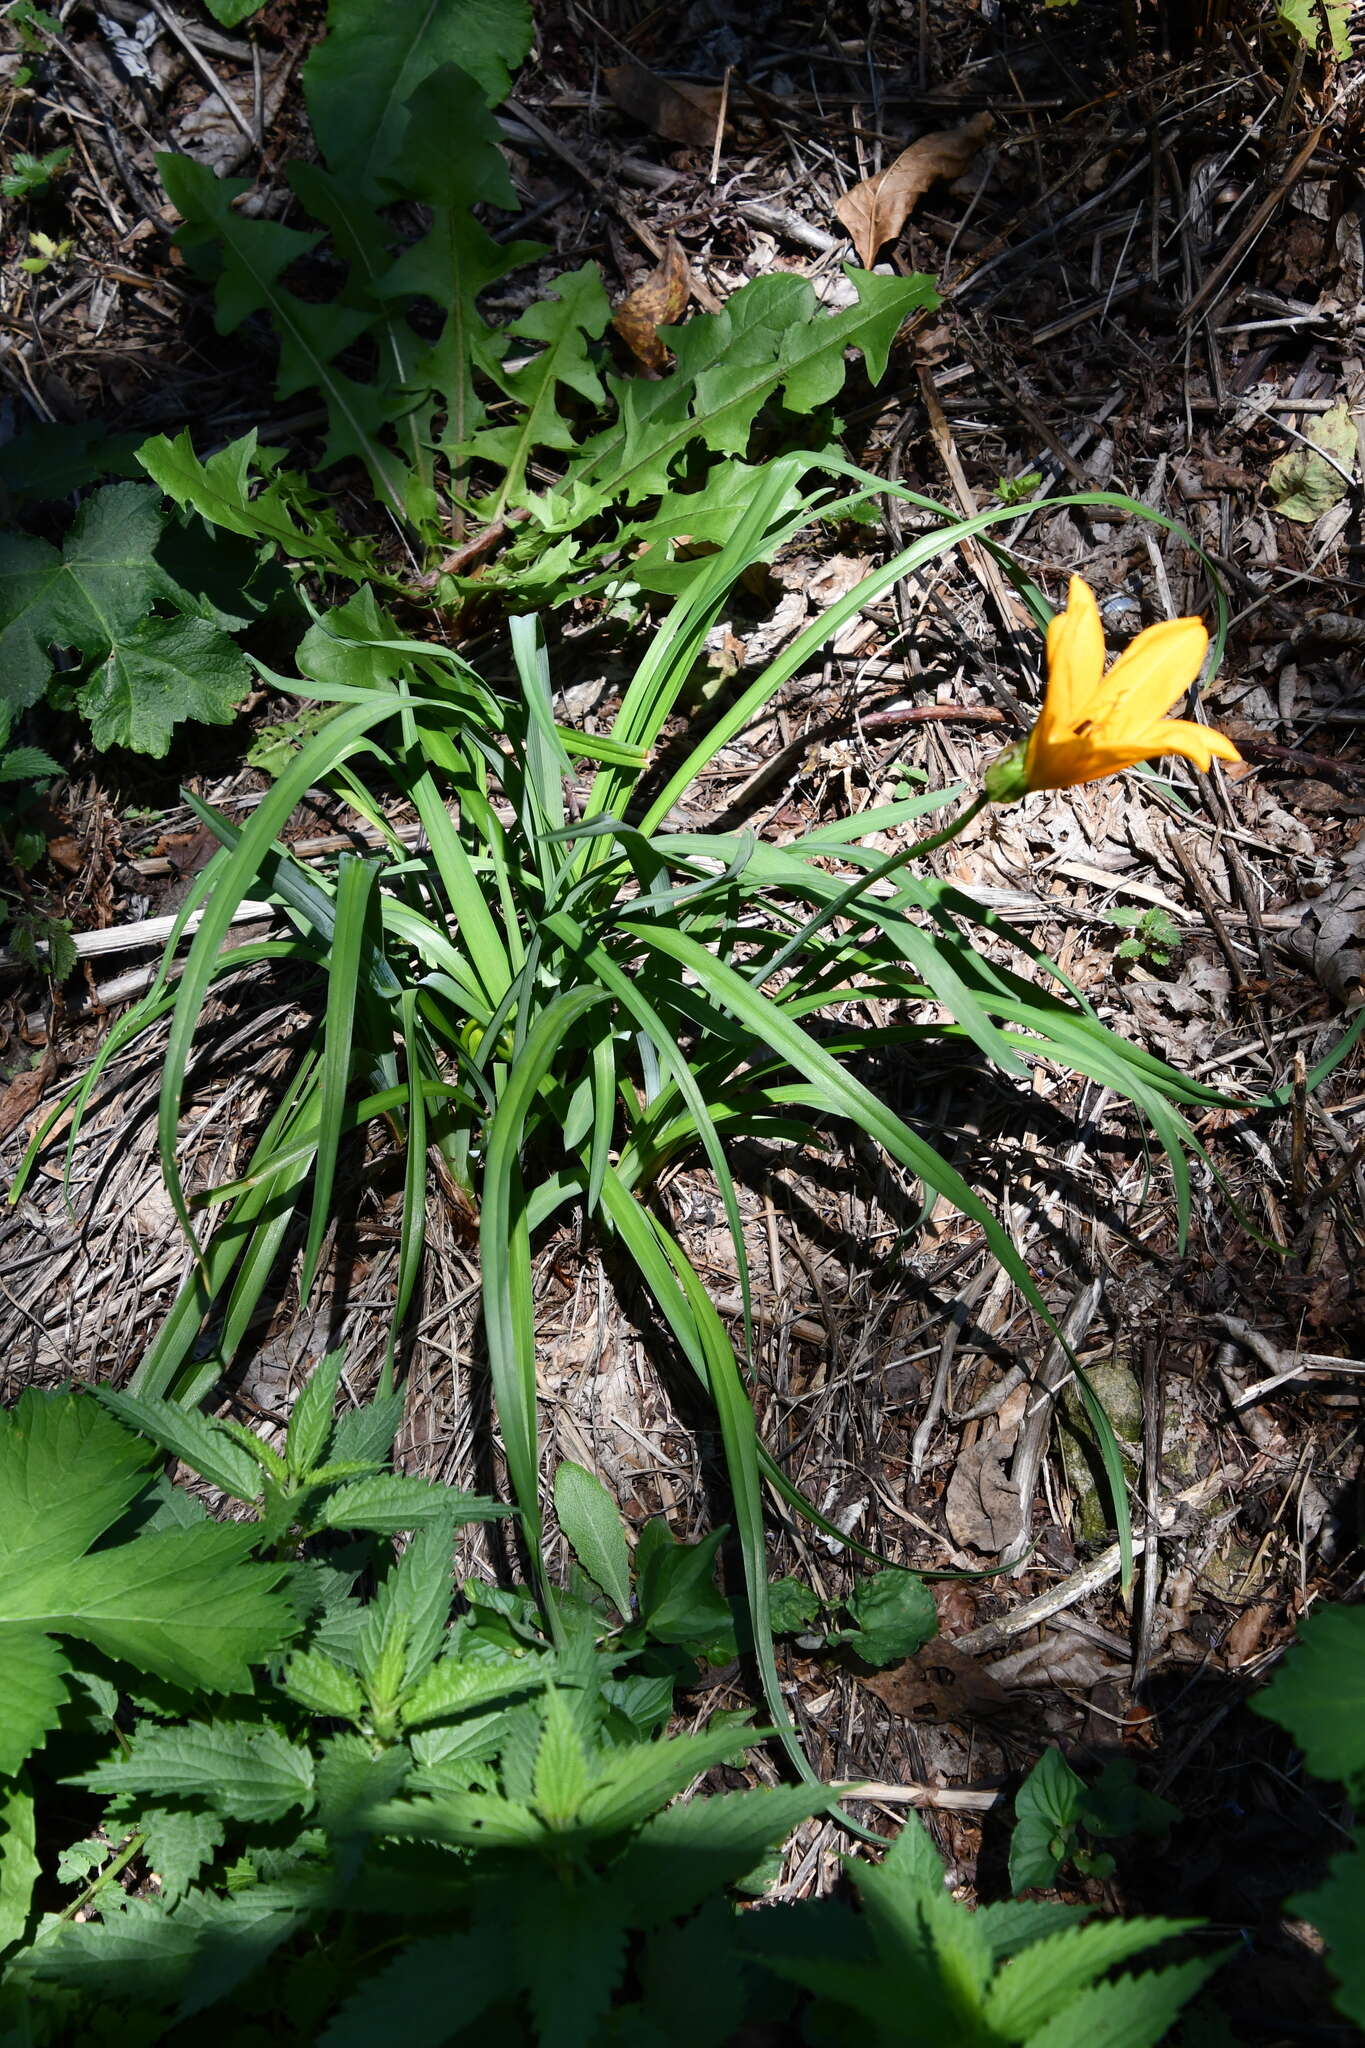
{"x":1093,"y":724}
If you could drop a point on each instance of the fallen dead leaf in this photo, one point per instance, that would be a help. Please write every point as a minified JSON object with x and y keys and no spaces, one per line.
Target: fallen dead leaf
{"x":656,"y":303}
{"x":982,"y":1506}
{"x":24,"y":1093}
{"x":1309,"y":480}
{"x":939,"y":1684}
{"x":1244,"y":1637}
{"x":876,"y":211}
{"x":1330,"y":940}
{"x":673,"y":107}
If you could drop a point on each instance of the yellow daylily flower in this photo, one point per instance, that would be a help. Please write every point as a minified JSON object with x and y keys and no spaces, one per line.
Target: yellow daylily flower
{"x":1093,"y":724}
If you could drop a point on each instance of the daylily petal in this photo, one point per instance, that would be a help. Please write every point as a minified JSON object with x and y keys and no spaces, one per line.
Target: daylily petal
{"x":1198,"y":743}
{"x":1150,"y":676}
{"x":1075,"y":656}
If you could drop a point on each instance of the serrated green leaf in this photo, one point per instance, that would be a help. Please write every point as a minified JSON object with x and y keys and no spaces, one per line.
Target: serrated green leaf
{"x":244,"y":1772}
{"x":365,"y":1435}
{"x":189,"y":1436}
{"x":359,"y":81}
{"x":561,"y":1772}
{"x":67,"y":1471}
{"x":186,"y":1605}
{"x":321,"y":1684}
{"x":457,"y":258}
{"x":19,"y":1864}
{"x":771,"y":335}
{"x":457,"y":1685}
{"x":562,"y":325}
{"x":88,"y":596}
{"x":252,"y":256}
{"x":1318,"y":1694}
{"x":390,"y":1502}
{"x":1130,"y":2012}
{"x":353,"y":1778}
{"x":1036,"y":1986}
{"x":425,"y":1993}
{"x":26,"y":764}
{"x":630,"y":1784}
{"x":159,"y":676}
{"x":462,"y":1820}
{"x":177,"y":1844}
{"x":691,"y":1852}
{"x":34,"y":1689}
{"x":220,"y":490}
{"x":310,"y":1424}
{"x":591,"y":1522}
{"x":1337,"y":1910}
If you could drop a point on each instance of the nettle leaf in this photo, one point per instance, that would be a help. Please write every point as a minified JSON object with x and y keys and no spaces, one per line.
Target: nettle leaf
{"x":360,"y":79}
{"x":772,"y":335}
{"x":35,"y":1689}
{"x":185,"y":1604}
{"x":1318,"y":1694}
{"x":430,"y":1989}
{"x":88,"y":595}
{"x":178,"y":1843}
{"x":189,"y":1436}
{"x":254,"y":255}
{"x":241,"y":1771}
{"x":19,"y":1864}
{"x":456,"y":1685}
{"x":1337,"y":1910}
{"x":389,"y":1502}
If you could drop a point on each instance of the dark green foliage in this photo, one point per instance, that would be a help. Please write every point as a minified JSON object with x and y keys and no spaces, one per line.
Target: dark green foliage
{"x":1318,"y":1694}
{"x":1055,"y":1810}
{"x":438,"y":1830}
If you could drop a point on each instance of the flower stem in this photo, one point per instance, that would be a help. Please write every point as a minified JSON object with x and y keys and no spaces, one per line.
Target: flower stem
{"x":849,"y":896}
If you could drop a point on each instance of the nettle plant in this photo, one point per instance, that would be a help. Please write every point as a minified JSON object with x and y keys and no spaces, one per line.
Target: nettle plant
{"x":284,"y":1779}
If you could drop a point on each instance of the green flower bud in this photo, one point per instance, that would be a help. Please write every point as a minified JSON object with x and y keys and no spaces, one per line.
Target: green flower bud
{"x":1006,"y":779}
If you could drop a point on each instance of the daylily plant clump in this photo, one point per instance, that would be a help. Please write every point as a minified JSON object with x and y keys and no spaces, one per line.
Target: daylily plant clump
{"x":1093,"y":724}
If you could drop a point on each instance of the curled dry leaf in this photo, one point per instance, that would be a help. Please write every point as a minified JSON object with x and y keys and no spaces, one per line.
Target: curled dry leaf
{"x":982,"y":1506}
{"x":673,"y":107}
{"x":1330,"y":940}
{"x":876,"y":211}
{"x":656,"y":303}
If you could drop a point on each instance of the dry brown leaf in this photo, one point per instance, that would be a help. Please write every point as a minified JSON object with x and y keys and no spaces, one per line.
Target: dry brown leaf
{"x":24,"y":1093}
{"x":1330,"y":940}
{"x":876,"y":211}
{"x":656,"y":303}
{"x":982,"y":1506}
{"x":673,"y":107}
{"x":939,"y":1684}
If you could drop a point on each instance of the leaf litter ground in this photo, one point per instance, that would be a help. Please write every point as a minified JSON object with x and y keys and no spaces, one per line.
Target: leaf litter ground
{"x":1108,"y":318}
